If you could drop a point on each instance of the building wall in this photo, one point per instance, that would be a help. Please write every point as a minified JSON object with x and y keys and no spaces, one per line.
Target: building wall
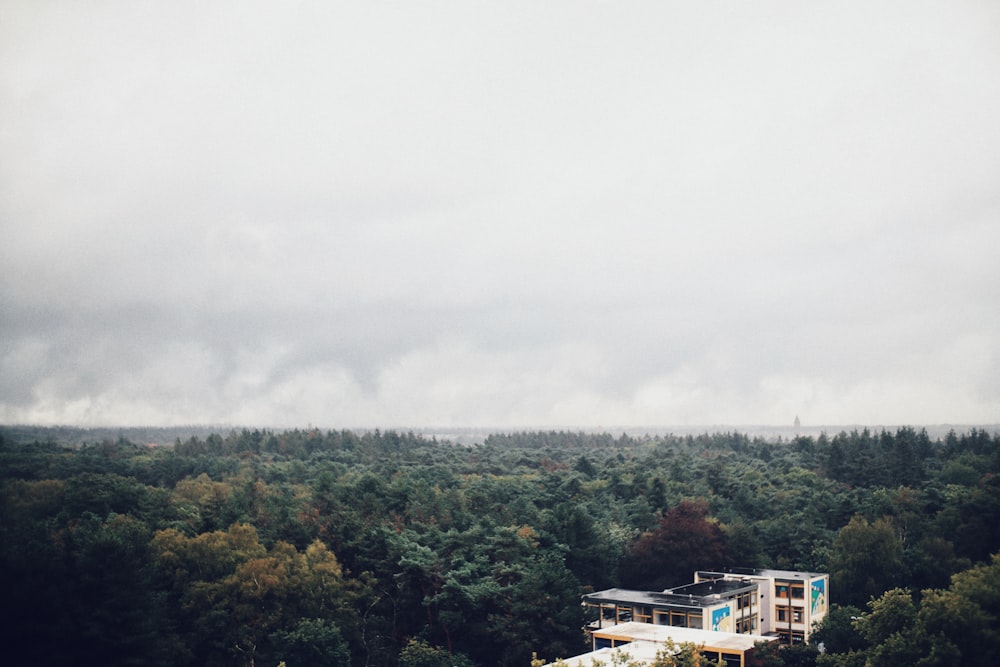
{"x":792,"y":605}
{"x":643,"y":640}
{"x":790,"y":602}
{"x":779,"y":602}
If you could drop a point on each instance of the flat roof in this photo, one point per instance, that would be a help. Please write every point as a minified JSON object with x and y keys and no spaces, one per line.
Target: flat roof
{"x":717,"y":587}
{"x":659,"y":634}
{"x":771,"y":574}
{"x":642,"y":652}
{"x":700,"y":595}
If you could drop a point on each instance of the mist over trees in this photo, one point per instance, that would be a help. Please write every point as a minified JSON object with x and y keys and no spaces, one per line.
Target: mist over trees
{"x":317,"y":547}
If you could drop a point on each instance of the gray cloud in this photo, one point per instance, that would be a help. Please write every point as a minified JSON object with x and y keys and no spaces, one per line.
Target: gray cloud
{"x":512,"y":215}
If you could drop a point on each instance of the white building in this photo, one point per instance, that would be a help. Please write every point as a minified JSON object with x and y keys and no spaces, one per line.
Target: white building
{"x":780,"y":603}
{"x":640,"y":643}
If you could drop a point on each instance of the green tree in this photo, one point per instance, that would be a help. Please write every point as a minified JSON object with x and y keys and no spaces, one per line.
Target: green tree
{"x":108,"y":609}
{"x":418,"y":653}
{"x":312,"y":642}
{"x":837,"y":632}
{"x":867,"y":560}
{"x":967,"y":614}
{"x":684,"y":654}
{"x":890,"y":629}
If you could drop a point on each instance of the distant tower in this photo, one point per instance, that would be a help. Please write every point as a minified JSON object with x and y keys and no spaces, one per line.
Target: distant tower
{"x":797,"y":424}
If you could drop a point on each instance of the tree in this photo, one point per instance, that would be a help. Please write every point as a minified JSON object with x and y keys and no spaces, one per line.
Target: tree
{"x":418,"y":653}
{"x":944,"y":627}
{"x":108,"y":609}
{"x":867,"y":560}
{"x":890,"y":629}
{"x":198,"y":503}
{"x":685,"y":540}
{"x":540,"y":610}
{"x":236,"y":594}
{"x":312,"y":642}
{"x":837,"y":632}
{"x":684,"y":654}
{"x":967,"y":613}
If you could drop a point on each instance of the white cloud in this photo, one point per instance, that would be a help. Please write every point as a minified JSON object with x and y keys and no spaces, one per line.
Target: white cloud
{"x":410,"y":214}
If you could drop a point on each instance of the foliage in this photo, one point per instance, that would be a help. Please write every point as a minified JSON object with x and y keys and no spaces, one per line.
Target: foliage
{"x":956,"y":625}
{"x":684,"y":654}
{"x":684,"y":541}
{"x":387,"y":548}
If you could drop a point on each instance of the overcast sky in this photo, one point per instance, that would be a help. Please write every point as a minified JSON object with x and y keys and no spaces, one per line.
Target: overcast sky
{"x":512,"y":214}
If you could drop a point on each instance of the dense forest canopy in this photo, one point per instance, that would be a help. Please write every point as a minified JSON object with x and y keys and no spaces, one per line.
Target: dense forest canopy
{"x":383,"y":548}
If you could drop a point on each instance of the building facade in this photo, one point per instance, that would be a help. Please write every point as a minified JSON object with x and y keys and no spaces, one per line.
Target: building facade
{"x":640,"y":643}
{"x":776,"y":603}
{"x":790,"y":601}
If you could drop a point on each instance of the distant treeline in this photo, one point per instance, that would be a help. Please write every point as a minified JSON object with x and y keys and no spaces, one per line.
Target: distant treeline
{"x":320,"y":547}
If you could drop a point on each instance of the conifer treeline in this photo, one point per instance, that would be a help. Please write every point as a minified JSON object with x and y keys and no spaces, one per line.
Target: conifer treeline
{"x":387,"y":548}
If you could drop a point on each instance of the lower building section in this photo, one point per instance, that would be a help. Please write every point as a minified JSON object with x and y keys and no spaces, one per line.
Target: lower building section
{"x":641,"y":643}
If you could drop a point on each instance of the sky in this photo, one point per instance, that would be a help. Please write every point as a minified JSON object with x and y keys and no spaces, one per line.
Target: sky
{"x":505,"y":214}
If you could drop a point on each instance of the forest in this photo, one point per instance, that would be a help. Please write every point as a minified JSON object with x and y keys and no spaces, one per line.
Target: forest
{"x":392,"y":549}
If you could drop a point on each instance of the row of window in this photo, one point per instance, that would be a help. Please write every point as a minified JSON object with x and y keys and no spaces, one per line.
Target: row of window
{"x":789,"y":614}
{"x":793,"y":637}
{"x":728,"y":659}
{"x":694,"y":619}
{"x":795,"y":590}
{"x":679,"y":619}
{"x":682,"y":618}
{"x":616,"y":614}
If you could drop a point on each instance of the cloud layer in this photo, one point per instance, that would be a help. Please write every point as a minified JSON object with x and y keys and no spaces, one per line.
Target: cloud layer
{"x":514,"y":215}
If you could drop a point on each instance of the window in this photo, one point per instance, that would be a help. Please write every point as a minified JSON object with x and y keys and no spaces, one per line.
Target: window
{"x":790,"y":589}
{"x":793,"y":637}
{"x":681,"y":619}
{"x":728,"y":659}
{"x":609,"y":642}
{"x":732,"y":659}
{"x":789,"y":614}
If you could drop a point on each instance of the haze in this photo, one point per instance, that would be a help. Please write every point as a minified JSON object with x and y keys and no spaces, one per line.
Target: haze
{"x":508,"y":214}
